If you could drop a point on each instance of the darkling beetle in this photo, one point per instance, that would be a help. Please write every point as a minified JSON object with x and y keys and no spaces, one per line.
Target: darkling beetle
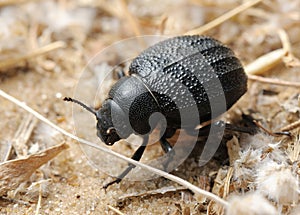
{"x":181,"y":57}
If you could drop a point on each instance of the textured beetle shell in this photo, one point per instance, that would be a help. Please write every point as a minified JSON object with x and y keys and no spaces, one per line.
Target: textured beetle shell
{"x":191,"y":61}
{"x":136,"y":102}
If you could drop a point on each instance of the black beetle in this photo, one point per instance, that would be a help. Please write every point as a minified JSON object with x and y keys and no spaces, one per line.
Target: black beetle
{"x":191,"y":61}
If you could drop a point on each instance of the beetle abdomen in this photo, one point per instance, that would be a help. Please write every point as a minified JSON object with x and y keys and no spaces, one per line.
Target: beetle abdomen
{"x":189,"y":70}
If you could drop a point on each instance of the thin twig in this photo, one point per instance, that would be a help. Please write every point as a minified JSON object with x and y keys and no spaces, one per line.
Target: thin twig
{"x":289,"y":59}
{"x":171,"y":177}
{"x":10,"y":62}
{"x":286,"y":44}
{"x":223,"y":18}
{"x":115,"y":210}
{"x":271,"y":133}
{"x":38,"y":206}
{"x":265,"y":129}
{"x":273,"y":81}
{"x":291,"y":126}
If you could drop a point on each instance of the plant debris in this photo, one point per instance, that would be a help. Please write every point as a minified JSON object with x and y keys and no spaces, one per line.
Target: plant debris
{"x":45,"y":46}
{"x":15,"y":172}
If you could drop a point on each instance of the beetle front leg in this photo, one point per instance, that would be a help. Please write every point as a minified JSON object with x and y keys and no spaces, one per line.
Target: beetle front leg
{"x":136,"y":156}
{"x":120,"y":73}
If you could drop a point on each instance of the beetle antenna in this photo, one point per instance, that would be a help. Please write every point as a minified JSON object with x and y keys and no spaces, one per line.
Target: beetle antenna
{"x":68,"y":99}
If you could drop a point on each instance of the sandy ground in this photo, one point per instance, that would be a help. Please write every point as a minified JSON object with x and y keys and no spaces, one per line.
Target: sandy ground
{"x":69,"y":184}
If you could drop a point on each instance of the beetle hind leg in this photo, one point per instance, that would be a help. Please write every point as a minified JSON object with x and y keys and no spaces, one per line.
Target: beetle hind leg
{"x":221,"y":125}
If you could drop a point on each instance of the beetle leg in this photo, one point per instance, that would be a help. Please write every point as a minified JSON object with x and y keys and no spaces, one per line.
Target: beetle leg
{"x":166,"y":146}
{"x":136,"y":156}
{"x":242,"y":129}
{"x":221,"y":124}
{"x":120,"y":73}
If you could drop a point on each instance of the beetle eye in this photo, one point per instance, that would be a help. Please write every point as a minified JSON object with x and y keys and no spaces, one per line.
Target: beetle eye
{"x":111,"y":130}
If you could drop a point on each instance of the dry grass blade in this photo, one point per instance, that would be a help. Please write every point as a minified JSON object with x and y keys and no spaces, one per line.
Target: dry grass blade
{"x":130,"y":18}
{"x":15,"y":172}
{"x":11,"y":62}
{"x":233,"y":149}
{"x":133,"y":22}
{"x":151,"y":192}
{"x":223,"y":18}
{"x":5,"y":150}
{"x":111,"y":9}
{"x":273,"y":81}
{"x":171,"y":177}
{"x":269,"y":60}
{"x":23,"y":134}
{"x":227,"y":182}
{"x":265,"y":62}
{"x":12,"y":2}
{"x":294,"y":151}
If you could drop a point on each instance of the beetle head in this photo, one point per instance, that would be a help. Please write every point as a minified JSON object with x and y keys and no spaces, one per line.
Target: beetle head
{"x":105,"y":128}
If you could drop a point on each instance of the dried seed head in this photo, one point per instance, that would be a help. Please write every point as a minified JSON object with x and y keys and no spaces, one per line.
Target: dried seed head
{"x":250,"y":204}
{"x":245,"y":167}
{"x":277,"y":182}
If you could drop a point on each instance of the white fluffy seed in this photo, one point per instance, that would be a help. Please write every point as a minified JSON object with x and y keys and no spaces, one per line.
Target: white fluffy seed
{"x":250,"y":204}
{"x":277,"y":182}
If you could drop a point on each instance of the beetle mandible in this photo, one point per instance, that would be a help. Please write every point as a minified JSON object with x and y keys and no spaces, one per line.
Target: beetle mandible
{"x":134,"y":98}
